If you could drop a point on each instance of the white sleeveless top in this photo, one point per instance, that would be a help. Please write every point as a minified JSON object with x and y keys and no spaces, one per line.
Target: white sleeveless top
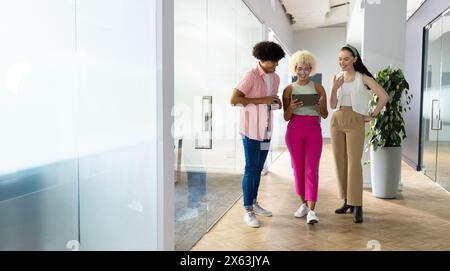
{"x":347,"y":89}
{"x":358,"y":95}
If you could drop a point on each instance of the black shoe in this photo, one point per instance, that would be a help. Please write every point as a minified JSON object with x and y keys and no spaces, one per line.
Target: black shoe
{"x":343,"y":209}
{"x":358,"y":214}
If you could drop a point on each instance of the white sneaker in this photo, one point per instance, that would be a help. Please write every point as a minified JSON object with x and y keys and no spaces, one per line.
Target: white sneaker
{"x":302,"y":211}
{"x":251,"y":220}
{"x":260,"y":210}
{"x":312,"y":217}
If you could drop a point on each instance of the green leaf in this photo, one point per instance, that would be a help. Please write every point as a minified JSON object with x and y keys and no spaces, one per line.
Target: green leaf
{"x":388,"y":128}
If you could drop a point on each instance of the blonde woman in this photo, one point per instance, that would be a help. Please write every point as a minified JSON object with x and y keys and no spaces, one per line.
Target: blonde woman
{"x":304,"y":134}
{"x":350,"y":97}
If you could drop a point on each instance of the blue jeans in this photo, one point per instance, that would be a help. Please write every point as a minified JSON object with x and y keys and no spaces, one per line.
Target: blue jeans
{"x":255,"y":156}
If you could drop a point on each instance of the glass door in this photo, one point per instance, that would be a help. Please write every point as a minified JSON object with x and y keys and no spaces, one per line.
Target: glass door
{"x":191,"y":128}
{"x":213,"y":49}
{"x":443,"y":145}
{"x":431,"y":96}
{"x":278,"y":144}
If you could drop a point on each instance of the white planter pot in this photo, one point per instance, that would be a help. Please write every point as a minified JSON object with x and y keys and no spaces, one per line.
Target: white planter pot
{"x":385,"y":168}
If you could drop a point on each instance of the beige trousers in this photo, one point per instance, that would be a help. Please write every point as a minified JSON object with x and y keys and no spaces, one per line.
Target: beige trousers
{"x":347,"y":141}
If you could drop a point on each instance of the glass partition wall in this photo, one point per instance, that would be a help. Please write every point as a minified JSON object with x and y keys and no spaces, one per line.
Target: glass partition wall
{"x":278,"y":143}
{"x":213,"y":49}
{"x":436,"y":98}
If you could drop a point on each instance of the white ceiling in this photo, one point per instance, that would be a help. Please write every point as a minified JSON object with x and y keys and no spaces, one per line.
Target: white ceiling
{"x":317,"y":13}
{"x":413,"y":5}
{"x":327,"y":13}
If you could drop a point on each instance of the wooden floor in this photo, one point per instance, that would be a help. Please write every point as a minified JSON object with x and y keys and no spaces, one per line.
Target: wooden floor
{"x":419,"y":219}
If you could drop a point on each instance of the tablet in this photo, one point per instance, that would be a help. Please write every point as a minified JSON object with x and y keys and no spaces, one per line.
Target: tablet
{"x":307,"y":99}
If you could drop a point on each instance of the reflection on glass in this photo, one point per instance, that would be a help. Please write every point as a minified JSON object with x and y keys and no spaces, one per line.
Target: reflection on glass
{"x":190,"y":86}
{"x":432,"y":84}
{"x":443,"y":157}
{"x":278,"y":143}
{"x":218,"y":36}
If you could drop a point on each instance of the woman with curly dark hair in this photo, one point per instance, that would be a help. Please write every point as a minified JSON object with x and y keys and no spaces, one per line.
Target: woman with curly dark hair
{"x":256,"y":93}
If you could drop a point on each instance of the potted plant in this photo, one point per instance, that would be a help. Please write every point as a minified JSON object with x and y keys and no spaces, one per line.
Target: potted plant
{"x":386,"y":133}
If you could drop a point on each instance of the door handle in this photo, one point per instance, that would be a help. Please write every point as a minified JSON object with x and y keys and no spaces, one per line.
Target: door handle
{"x":436,"y":122}
{"x":203,"y":138}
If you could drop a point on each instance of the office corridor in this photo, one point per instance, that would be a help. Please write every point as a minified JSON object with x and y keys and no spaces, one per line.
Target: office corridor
{"x":419,"y":219}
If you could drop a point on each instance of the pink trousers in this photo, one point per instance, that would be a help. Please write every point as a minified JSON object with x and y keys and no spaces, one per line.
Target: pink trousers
{"x":304,"y":142}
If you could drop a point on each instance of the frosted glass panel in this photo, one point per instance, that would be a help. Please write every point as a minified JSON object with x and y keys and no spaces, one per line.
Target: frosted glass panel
{"x":78,"y":115}
{"x":117,"y":123}
{"x":38,"y":165}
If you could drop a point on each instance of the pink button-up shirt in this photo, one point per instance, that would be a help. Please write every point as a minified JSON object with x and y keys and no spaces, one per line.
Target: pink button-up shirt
{"x":256,"y":118}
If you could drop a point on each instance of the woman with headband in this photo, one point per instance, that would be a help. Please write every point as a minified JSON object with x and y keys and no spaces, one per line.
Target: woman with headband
{"x":350,"y":99}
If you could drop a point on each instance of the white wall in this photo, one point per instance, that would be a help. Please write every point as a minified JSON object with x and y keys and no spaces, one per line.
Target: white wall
{"x":38,"y":208}
{"x":272,"y":15}
{"x":324,"y":43}
{"x":213,"y":49}
{"x":355,"y":24}
{"x":377,"y":29}
{"x":384,"y":34}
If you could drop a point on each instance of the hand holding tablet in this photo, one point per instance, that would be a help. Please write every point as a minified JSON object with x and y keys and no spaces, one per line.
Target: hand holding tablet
{"x":306,"y":99}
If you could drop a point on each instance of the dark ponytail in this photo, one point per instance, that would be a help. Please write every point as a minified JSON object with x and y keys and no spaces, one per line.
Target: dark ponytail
{"x":359,"y":65}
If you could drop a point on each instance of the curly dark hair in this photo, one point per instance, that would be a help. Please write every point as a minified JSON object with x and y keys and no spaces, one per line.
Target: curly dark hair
{"x":268,"y":51}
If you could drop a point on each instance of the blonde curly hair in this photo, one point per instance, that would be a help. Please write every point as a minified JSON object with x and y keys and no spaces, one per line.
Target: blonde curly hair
{"x":302,"y":57}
